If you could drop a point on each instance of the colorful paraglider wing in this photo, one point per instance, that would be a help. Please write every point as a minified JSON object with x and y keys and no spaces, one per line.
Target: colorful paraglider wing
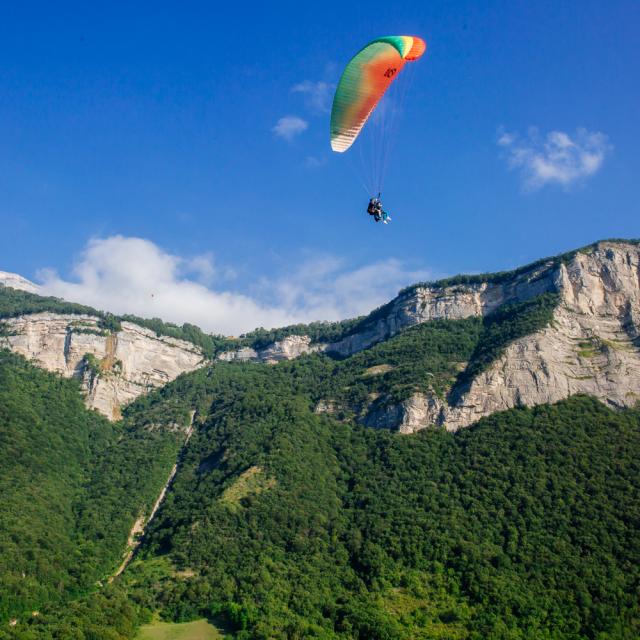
{"x":364,"y":82}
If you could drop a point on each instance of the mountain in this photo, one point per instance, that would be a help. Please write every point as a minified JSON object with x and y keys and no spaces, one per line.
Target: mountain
{"x":585,"y":344}
{"x":285,"y":483}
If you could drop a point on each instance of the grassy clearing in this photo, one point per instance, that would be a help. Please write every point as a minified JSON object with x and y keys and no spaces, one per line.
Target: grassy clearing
{"x":378,"y":370}
{"x":250,"y":482}
{"x":196,"y":630}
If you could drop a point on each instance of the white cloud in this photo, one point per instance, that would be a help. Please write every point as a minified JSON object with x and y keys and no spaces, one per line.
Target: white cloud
{"x":317,"y":94}
{"x":133,"y":275}
{"x":313,"y":162}
{"x":555,"y":158}
{"x":323,"y":287}
{"x":288,"y":127}
{"x":206,"y":270}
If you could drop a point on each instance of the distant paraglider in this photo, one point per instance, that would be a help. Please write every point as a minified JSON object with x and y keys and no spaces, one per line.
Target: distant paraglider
{"x":364,"y":82}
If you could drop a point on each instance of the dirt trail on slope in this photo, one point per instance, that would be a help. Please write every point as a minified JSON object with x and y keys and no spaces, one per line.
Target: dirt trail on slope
{"x":136,"y":535}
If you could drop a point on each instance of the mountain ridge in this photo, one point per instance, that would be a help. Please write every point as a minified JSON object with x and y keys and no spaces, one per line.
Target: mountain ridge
{"x":598,"y":289}
{"x":595,"y":327}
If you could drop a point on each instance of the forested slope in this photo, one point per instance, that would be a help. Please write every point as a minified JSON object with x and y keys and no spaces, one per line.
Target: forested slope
{"x":288,"y":519}
{"x":295,"y":525}
{"x":72,"y":483}
{"x":49,"y":442}
{"x":291,"y":524}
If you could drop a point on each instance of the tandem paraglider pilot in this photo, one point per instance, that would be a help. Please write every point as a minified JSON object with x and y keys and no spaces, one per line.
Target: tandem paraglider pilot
{"x":375,"y":209}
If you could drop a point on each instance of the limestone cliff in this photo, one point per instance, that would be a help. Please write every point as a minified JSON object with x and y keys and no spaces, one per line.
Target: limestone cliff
{"x":591,"y":347}
{"x":285,"y":349}
{"x":114,"y":368}
{"x":424,"y":302}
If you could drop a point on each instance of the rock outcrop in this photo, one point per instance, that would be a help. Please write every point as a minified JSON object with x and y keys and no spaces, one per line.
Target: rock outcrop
{"x":417,"y":412}
{"x":591,"y":347}
{"x":114,"y":368}
{"x":285,"y":349}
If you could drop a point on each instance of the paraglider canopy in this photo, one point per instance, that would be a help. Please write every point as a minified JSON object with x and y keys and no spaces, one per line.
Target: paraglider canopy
{"x":365,"y":80}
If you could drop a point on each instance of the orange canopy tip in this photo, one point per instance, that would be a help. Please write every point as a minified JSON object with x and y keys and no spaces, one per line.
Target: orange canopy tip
{"x":418,"y":48}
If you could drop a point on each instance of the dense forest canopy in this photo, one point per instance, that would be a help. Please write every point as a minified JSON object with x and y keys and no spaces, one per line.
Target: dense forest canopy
{"x":286,"y":523}
{"x":71,"y":484}
{"x":523,"y":526}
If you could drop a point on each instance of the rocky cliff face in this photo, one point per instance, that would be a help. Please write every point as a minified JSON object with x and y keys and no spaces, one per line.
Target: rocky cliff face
{"x":285,"y":349}
{"x":424,"y":303}
{"x":592,"y":347}
{"x":420,"y":304}
{"x":114,"y":367}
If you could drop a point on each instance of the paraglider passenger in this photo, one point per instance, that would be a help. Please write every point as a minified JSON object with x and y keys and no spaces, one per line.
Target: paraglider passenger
{"x":375,"y":206}
{"x":375,"y":209}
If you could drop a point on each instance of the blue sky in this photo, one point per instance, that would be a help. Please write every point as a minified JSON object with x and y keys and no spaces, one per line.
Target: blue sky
{"x":156,"y":121}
